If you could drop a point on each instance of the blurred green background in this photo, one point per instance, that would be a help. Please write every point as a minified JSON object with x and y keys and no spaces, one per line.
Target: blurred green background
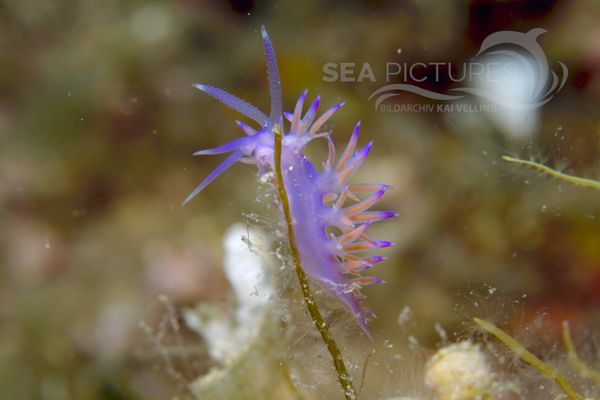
{"x":98,"y":121}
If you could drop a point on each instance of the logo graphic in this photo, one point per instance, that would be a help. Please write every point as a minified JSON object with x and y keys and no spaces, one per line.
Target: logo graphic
{"x":509,"y":70}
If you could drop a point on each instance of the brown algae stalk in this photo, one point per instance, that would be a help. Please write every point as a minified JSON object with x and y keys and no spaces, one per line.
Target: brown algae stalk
{"x":342,"y":373}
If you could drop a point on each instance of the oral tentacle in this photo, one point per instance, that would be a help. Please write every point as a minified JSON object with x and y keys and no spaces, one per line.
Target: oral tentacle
{"x":248,"y":130}
{"x":229,"y":161}
{"x":239,"y":105}
{"x":226,"y":148}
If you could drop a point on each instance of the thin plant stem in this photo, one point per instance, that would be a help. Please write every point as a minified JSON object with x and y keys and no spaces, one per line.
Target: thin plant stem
{"x":529,"y":358}
{"x":286,"y":377}
{"x":574,"y":180}
{"x":582,"y":368}
{"x":338,"y":362}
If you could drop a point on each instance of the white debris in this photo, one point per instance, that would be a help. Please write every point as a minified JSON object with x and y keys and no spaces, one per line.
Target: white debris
{"x":404,"y":315}
{"x":460,"y":371}
{"x":252,"y":288}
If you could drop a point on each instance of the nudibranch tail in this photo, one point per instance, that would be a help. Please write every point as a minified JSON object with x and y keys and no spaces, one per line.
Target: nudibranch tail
{"x":330,"y":217}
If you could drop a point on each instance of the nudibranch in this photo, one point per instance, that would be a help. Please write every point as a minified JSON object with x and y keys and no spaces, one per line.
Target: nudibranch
{"x":330,"y":216}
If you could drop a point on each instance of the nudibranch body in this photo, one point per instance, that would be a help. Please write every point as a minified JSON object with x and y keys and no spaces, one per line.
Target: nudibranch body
{"x":328,"y":216}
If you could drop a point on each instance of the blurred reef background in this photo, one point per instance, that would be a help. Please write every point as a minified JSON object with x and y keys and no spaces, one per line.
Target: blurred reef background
{"x":99,"y":120}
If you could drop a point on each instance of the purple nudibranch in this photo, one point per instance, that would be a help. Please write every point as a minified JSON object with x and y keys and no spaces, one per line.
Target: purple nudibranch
{"x":320,"y":202}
